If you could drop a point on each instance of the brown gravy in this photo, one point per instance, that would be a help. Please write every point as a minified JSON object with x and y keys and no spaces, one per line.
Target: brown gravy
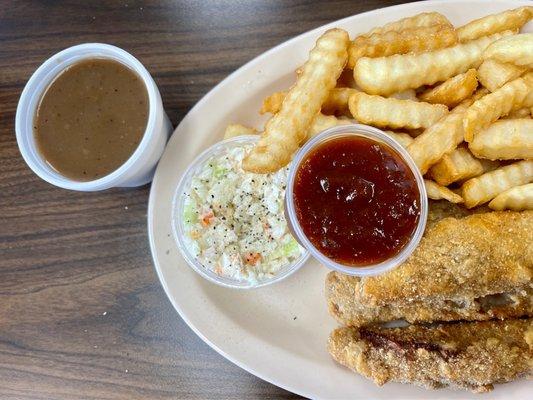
{"x":91,"y":118}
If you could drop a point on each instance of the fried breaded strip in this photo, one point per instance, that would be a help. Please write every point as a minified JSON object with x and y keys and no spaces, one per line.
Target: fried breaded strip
{"x":473,"y":268}
{"x":467,"y":355}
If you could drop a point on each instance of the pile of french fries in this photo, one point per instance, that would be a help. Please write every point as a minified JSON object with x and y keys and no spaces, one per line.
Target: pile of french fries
{"x":460,"y":100}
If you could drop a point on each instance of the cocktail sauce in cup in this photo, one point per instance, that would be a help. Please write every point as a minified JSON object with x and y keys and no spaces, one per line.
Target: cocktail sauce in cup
{"x":356,"y":200}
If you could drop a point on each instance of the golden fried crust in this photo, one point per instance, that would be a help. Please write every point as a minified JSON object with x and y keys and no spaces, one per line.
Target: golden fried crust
{"x":475,"y":268}
{"x":468,"y":355}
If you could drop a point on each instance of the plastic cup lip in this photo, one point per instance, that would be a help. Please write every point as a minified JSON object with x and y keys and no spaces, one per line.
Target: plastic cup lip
{"x":380,"y":136}
{"x":178,"y":228}
{"x":30,"y":97}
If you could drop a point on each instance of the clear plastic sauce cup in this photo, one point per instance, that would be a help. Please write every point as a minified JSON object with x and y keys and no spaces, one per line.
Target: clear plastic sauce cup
{"x":179,"y":230}
{"x":294,"y":224}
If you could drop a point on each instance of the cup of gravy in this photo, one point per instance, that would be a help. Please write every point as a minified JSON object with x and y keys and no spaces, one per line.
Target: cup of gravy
{"x":91,"y":118}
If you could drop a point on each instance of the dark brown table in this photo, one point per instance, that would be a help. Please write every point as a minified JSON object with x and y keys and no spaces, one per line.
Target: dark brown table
{"x":82,"y":314}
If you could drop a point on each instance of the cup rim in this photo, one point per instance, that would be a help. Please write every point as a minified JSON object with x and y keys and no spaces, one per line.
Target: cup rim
{"x":26,"y":112}
{"x":378,"y":135}
{"x":178,"y":229}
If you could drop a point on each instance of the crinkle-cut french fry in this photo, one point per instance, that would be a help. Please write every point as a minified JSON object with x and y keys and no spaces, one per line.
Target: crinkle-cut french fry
{"x":323,"y":122}
{"x":415,"y":21}
{"x":394,"y":113}
{"x":409,"y":94}
{"x":455,"y":166}
{"x":494,"y":106}
{"x":442,"y":137}
{"x":412,"y":40}
{"x":494,"y":74}
{"x":452,"y":91}
{"x":288,"y":128}
{"x":386,"y":75}
{"x":233,"y":130}
{"x":272,"y":103}
{"x":517,"y":49}
{"x":485,"y":187}
{"x":437,"y":192}
{"x":523,"y":112}
{"x":510,"y":19}
{"x":337,"y":101}
{"x":508,"y":139}
{"x":518,"y":198}
{"x":401,"y":137}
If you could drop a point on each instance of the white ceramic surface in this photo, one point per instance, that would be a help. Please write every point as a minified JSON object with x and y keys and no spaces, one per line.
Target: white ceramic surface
{"x":139,"y":169}
{"x":278,"y":332}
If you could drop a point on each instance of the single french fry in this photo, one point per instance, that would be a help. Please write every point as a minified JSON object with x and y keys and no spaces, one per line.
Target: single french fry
{"x":337,"y":102}
{"x":511,"y":19}
{"x":455,"y":166}
{"x":518,"y":198}
{"x":394,"y":113}
{"x":415,"y":21}
{"x":386,"y":75}
{"x":233,"y":130}
{"x":508,"y":139}
{"x":452,"y":91}
{"x":437,"y":192}
{"x":494,"y":74}
{"x":323,"y":122}
{"x":272,"y":104}
{"x":485,"y":187}
{"x":517,"y":49}
{"x":401,"y":137}
{"x":288,"y":128}
{"x":411,"y":40}
{"x":409,"y":94}
{"x":494,"y":106}
{"x":442,"y":137}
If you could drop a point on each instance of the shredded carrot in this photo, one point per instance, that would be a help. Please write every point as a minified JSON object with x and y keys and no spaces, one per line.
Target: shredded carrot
{"x":207,"y":218}
{"x":252,"y":258}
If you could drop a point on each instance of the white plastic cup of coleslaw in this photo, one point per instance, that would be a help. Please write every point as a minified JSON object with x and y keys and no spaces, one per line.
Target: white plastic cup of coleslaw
{"x":232,"y":230}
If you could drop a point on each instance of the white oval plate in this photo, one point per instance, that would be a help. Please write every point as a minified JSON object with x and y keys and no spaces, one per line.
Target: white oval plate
{"x":279,"y":332}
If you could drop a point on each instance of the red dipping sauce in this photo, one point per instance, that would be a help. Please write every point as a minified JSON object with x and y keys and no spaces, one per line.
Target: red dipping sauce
{"x":356,"y":200}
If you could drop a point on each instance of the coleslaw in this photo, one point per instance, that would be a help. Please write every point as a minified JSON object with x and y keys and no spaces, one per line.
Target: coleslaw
{"x":234,"y":220}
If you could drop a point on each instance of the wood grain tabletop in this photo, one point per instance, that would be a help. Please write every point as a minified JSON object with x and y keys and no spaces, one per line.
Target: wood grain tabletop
{"x":82,"y":314}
